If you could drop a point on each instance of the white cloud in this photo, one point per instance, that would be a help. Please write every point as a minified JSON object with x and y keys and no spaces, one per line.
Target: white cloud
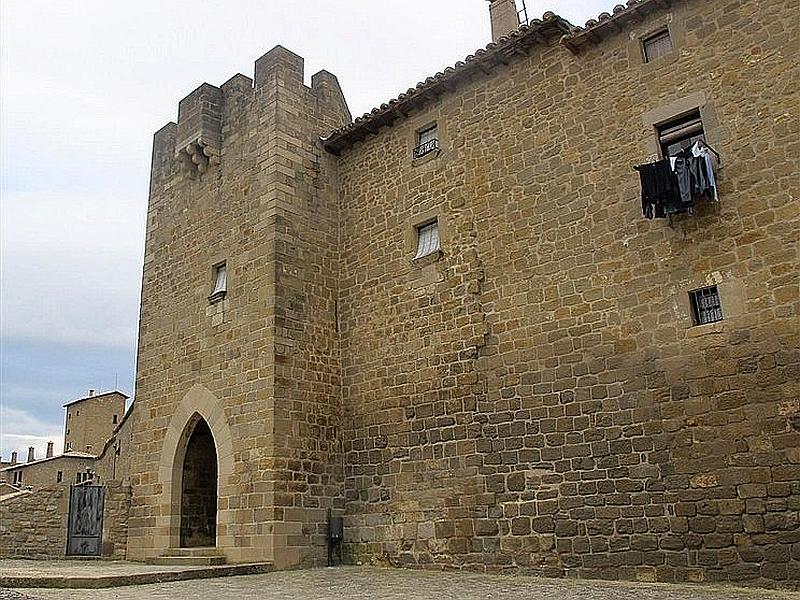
{"x":19,"y":429}
{"x":71,"y":266}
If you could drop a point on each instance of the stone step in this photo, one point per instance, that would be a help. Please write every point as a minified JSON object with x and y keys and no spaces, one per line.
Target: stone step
{"x":190,"y":557}
{"x":199,"y":551}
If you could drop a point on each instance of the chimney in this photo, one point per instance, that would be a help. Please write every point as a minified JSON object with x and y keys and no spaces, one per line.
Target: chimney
{"x":13,"y":458}
{"x":31,"y":454}
{"x":91,"y":393}
{"x":504,"y":17}
{"x":49,"y":449}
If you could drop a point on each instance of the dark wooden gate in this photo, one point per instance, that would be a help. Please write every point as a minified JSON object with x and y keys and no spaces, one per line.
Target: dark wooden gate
{"x":85,"y":526}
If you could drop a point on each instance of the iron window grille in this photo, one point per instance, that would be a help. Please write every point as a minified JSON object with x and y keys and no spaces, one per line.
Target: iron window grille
{"x":427,"y":141}
{"x":706,"y":305}
{"x":657,"y":45}
{"x":679,"y":134}
{"x":427,"y":239}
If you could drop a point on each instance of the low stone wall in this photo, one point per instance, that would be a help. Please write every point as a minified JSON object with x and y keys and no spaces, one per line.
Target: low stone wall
{"x":34,"y":524}
{"x":115,"y":519}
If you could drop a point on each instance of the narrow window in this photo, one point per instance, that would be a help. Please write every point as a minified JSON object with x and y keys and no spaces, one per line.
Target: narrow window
{"x":657,"y":45}
{"x":69,"y":445}
{"x":114,"y":420}
{"x":680,"y":133}
{"x":59,"y":476}
{"x":220,"y":283}
{"x":427,"y":239}
{"x":427,"y":141}
{"x":78,"y":478}
{"x":77,"y":413}
{"x":706,"y":305}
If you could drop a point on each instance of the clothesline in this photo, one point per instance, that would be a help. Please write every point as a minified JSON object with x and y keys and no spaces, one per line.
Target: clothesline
{"x":702,"y":144}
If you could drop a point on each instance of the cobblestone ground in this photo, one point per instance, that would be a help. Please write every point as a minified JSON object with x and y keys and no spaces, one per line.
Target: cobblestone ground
{"x":354,"y":583}
{"x":12,"y":595}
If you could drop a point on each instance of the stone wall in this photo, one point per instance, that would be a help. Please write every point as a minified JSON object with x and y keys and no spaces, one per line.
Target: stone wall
{"x":90,"y":422}
{"x":34,"y":525}
{"x":114,"y":461}
{"x":536,"y":398}
{"x":116,"y":510}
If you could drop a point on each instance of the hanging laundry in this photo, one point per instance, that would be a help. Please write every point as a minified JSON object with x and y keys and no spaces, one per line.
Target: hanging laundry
{"x":660,"y":192}
{"x":701,"y":151}
{"x":674,"y":184}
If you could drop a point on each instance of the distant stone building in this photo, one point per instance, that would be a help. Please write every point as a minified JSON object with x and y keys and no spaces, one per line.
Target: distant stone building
{"x":94,"y":432}
{"x":90,"y":421}
{"x":450,"y":322}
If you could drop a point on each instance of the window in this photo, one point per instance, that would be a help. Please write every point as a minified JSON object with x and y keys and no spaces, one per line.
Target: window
{"x":59,"y":476}
{"x":69,"y":445}
{"x":220,"y":283}
{"x":706,"y":306}
{"x":427,"y":141}
{"x":680,"y":133}
{"x":657,"y":45}
{"x":427,"y":239}
{"x":114,"y":420}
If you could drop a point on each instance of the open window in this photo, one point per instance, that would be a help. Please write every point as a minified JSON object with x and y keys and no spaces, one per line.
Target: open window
{"x":680,"y":133}
{"x":427,"y":141}
{"x":220,"y":283}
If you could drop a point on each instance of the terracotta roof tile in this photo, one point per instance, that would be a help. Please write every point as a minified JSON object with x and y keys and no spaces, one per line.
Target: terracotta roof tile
{"x":484,"y":59}
{"x":551,"y":26}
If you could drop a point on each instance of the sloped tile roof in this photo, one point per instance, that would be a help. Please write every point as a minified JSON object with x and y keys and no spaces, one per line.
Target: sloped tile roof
{"x":545,"y":30}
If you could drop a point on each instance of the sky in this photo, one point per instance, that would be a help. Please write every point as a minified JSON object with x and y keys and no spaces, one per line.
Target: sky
{"x":84,"y":84}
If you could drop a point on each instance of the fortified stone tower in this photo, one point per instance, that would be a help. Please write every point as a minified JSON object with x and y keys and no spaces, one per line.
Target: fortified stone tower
{"x":91,"y":420}
{"x":239,"y":447}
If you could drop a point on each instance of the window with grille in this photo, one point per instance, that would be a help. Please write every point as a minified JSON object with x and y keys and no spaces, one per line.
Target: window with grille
{"x":59,"y":476}
{"x":679,"y":134}
{"x":706,"y":306}
{"x":427,"y":239}
{"x":220,"y":283}
{"x":427,"y":141}
{"x":657,"y":45}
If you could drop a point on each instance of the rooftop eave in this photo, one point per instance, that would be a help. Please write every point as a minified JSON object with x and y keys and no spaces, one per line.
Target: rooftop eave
{"x":544,"y":31}
{"x":622,"y":16}
{"x":111,"y":393}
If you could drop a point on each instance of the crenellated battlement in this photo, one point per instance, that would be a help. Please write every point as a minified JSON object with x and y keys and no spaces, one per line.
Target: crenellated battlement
{"x":197,"y":141}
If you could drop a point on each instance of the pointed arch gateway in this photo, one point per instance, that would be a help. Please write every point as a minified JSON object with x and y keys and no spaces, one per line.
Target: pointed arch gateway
{"x":198,"y":502}
{"x":195,"y":468}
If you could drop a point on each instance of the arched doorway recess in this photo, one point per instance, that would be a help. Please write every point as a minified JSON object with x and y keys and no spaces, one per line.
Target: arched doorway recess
{"x":199,"y":489}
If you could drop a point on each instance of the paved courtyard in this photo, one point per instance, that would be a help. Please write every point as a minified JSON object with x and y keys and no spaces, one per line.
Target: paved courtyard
{"x":363,"y":583}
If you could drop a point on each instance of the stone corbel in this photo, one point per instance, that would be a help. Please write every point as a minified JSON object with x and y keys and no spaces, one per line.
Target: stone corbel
{"x":198,"y":156}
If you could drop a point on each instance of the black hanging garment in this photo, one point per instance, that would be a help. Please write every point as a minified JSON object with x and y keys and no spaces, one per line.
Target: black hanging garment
{"x":660,"y":191}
